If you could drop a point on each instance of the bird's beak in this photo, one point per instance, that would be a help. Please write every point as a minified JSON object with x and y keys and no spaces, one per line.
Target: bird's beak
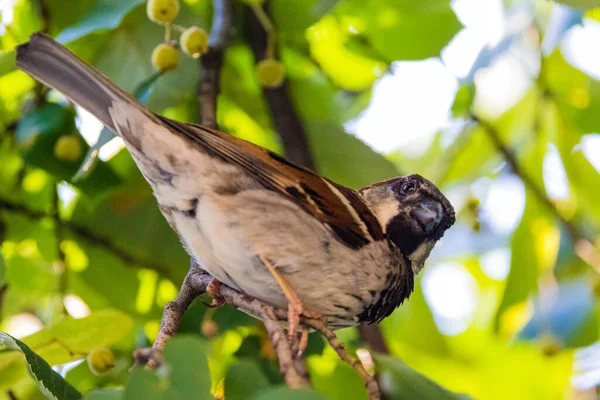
{"x":428,"y":214}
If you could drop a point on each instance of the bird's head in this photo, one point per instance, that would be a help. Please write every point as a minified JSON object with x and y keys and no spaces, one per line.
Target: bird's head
{"x":413,"y":213}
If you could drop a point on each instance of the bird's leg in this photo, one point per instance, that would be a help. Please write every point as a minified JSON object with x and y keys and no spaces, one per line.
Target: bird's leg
{"x":295,"y":306}
{"x":194,"y":284}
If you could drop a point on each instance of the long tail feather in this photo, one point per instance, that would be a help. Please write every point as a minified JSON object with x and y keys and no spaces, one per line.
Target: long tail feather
{"x":52,"y":64}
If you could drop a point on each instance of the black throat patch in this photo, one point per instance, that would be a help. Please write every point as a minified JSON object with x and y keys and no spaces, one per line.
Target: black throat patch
{"x":400,"y":284}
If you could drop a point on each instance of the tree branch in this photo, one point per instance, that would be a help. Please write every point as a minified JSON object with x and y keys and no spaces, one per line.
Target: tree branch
{"x":211,"y":62}
{"x":88,"y":235}
{"x":287,"y":122}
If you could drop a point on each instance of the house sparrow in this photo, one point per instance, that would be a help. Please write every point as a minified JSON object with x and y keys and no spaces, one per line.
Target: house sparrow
{"x":255,"y":221}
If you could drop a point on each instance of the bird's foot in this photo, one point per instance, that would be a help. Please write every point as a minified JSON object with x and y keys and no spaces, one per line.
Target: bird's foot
{"x":214,"y":290}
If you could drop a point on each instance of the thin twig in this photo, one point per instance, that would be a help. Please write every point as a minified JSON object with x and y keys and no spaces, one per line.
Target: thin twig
{"x":88,"y":235}
{"x":211,"y":62}
{"x":340,"y":349}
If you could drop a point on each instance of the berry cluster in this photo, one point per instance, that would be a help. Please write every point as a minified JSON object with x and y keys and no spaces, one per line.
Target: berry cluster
{"x":193,"y":41}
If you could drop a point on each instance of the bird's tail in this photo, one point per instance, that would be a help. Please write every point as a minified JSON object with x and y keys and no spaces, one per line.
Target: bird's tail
{"x":52,"y":64}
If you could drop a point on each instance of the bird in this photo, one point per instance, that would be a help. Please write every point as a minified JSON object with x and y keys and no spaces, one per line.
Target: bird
{"x":256,"y":222}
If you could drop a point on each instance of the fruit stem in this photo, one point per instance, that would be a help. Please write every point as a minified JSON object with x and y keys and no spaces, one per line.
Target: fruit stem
{"x":168,"y":33}
{"x":268,"y":26}
{"x":178,"y":28}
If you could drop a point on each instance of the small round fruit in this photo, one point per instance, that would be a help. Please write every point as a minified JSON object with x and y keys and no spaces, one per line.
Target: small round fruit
{"x":165,"y":57}
{"x":68,"y":148}
{"x":100,"y":361}
{"x":194,"y":41}
{"x":270,"y":73}
{"x":162,"y":11}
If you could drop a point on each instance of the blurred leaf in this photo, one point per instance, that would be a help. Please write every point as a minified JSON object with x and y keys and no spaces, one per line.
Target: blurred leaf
{"x":48,"y":119}
{"x":582,"y":4}
{"x":327,"y":46}
{"x":49,"y":381}
{"x":243,"y":380}
{"x":476,"y":155}
{"x":37,"y":134}
{"x":561,"y":20}
{"x":463,"y":101}
{"x":7,"y":62}
{"x":532,"y":246}
{"x":2,"y":273}
{"x":143,"y":384}
{"x":287,"y":394}
{"x":188,"y":376}
{"x":144,"y":89}
{"x":414,"y":316}
{"x":105,"y":394}
{"x":290,"y":16}
{"x":402,"y":30}
{"x":399,"y":381}
{"x":69,"y":340}
{"x":570,"y":317}
{"x":348,"y":384}
{"x":105,"y":14}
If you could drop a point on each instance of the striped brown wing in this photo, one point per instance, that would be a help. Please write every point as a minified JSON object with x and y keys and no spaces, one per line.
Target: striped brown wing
{"x":338,"y":207}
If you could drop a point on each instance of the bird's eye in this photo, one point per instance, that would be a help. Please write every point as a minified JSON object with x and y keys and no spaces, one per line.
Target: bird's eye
{"x":408,"y":188}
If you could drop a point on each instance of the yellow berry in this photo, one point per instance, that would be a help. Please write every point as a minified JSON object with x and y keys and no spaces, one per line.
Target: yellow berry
{"x":68,"y":148}
{"x":165,"y":57}
{"x":162,"y":11}
{"x":270,"y":73}
{"x":101,"y":361}
{"x":209,"y":328}
{"x":194,"y":41}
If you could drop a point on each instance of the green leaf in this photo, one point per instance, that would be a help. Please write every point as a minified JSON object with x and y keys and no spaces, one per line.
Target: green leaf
{"x":2,"y":272}
{"x":582,"y":4}
{"x":7,"y":62}
{"x":288,"y":394}
{"x":105,"y":394}
{"x":48,"y":119}
{"x":463,"y":101}
{"x":49,"y":381}
{"x":400,"y":382}
{"x":327,"y":42}
{"x":68,"y":340}
{"x":291,"y":16}
{"x":143,"y":384}
{"x":190,"y":377}
{"x":413,"y":316}
{"x":105,"y":14}
{"x":403,"y":30}
{"x":244,"y":379}
{"x":37,"y":134}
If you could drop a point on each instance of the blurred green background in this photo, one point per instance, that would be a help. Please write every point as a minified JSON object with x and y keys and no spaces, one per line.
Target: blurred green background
{"x":497,"y":102}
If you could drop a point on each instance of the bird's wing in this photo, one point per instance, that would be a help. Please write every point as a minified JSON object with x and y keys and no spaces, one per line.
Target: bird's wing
{"x":336,"y":206}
